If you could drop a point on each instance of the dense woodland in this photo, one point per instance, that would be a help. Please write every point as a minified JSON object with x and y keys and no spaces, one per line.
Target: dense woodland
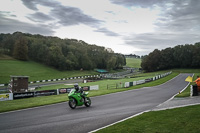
{"x":180,"y":56}
{"x":62,"y":54}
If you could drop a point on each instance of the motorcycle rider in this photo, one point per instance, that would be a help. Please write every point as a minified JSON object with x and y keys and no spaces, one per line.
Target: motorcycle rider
{"x":79,"y":90}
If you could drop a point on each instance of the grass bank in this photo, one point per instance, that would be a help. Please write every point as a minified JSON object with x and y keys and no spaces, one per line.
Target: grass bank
{"x":179,"y":120}
{"x":186,"y":92}
{"x":133,"y":62}
{"x":45,"y":100}
{"x":35,"y":71}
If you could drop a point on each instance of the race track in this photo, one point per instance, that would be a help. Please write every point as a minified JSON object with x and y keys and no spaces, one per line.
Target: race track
{"x":106,"y":109}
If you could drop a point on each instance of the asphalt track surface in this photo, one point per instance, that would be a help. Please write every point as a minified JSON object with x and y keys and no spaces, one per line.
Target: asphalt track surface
{"x":106,"y":109}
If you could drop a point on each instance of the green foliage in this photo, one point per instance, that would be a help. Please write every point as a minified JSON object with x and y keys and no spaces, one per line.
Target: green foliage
{"x":21,"y":49}
{"x":181,"y":56}
{"x":62,"y":54}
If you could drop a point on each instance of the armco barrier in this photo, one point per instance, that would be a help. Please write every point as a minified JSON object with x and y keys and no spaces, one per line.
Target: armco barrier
{"x":140,"y":82}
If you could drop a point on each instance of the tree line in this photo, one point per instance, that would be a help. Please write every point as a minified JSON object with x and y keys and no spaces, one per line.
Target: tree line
{"x":62,"y":54}
{"x":180,"y":56}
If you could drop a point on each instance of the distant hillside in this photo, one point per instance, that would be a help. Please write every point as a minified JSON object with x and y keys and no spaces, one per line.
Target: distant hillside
{"x":133,"y":62}
{"x":61,"y":54}
{"x":35,"y":70}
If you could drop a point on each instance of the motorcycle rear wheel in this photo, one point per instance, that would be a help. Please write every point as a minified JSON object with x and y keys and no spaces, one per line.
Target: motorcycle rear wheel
{"x":87,"y":102}
{"x":72,"y":103}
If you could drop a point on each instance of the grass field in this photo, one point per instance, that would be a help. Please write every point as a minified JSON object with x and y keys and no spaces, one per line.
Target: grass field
{"x":180,"y":120}
{"x":34,"y":70}
{"x":133,"y":62}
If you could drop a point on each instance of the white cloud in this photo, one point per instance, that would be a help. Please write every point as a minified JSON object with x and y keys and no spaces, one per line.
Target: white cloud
{"x":126,"y":26}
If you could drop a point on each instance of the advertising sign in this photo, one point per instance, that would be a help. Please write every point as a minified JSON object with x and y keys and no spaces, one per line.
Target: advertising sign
{"x":4,"y":97}
{"x":95,"y":87}
{"x":23,"y":95}
{"x":46,"y":93}
{"x":64,"y":90}
{"x":86,"y":88}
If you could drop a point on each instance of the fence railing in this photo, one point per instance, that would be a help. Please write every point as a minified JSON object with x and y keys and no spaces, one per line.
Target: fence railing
{"x":133,"y":83}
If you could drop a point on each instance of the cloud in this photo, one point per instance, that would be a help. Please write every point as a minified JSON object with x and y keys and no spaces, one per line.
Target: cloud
{"x":64,"y":15}
{"x":182,"y":16}
{"x":140,"y":3}
{"x":177,"y":24}
{"x":39,"y":17}
{"x":31,"y":4}
{"x":106,"y":31}
{"x":72,"y":16}
{"x":147,"y":42}
{"x":8,"y":25}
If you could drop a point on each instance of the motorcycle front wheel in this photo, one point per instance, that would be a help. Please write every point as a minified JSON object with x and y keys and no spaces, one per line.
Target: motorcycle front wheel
{"x":72,"y":103}
{"x":87,"y":102}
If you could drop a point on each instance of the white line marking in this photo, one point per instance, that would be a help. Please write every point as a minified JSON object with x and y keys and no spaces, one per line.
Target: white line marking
{"x":119,"y":121}
{"x":145,"y":111}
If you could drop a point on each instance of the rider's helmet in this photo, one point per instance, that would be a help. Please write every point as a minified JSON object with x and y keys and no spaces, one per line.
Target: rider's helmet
{"x":76,"y":86}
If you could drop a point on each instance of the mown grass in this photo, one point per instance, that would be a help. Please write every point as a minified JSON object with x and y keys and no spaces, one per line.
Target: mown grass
{"x":179,"y":120}
{"x":104,"y":84}
{"x":186,"y":92}
{"x":133,"y":62}
{"x":31,"y":102}
{"x":35,"y":71}
{"x":45,"y":100}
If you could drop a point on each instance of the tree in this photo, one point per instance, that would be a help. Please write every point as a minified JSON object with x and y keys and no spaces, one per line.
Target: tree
{"x":21,"y":49}
{"x":56,"y":58}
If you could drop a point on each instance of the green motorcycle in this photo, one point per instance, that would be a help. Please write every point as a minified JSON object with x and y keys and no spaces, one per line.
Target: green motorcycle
{"x":76,"y":99}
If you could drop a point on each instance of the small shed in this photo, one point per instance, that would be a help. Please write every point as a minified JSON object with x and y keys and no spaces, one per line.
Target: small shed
{"x":19,"y":83}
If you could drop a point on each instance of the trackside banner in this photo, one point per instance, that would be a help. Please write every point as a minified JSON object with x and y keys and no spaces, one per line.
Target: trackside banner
{"x":64,"y":90}
{"x":23,"y":95}
{"x":46,"y":93}
{"x":6,"y":96}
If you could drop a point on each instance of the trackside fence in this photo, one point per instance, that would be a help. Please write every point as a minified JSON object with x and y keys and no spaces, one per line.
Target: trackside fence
{"x":60,"y":79}
{"x":133,"y":83}
{"x":12,"y":96}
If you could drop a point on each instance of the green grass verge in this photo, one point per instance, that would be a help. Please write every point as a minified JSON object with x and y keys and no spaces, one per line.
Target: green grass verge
{"x":133,"y":62}
{"x":45,"y":100}
{"x":180,"y":120}
{"x":31,"y":102}
{"x":186,"y":92}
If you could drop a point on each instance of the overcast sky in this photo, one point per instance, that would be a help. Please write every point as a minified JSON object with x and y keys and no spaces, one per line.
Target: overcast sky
{"x":125,"y":26}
